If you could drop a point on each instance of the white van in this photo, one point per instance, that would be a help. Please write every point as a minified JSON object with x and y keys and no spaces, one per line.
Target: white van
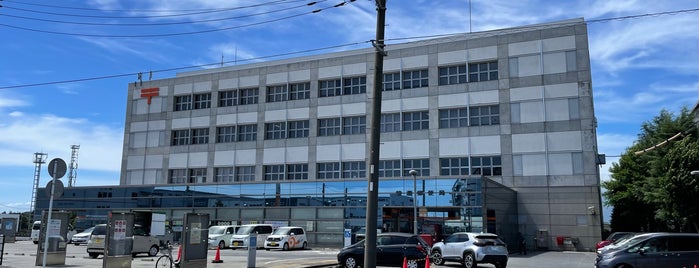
{"x":286,"y":238}
{"x":220,"y":235}
{"x":36,"y":230}
{"x":241,"y":239}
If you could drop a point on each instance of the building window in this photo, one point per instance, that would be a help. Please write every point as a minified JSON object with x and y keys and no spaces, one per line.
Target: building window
{"x":328,"y":171}
{"x":274,"y":172}
{"x":484,"y":115}
{"x":453,"y":118}
{"x":300,"y":91}
{"x":200,"y":136}
{"x":329,"y":127}
{"x":202,"y":101}
{"x":245,"y":173}
{"x":484,"y":71}
{"x":180,"y":137}
{"x":453,"y":166}
{"x":247,"y":132}
{"x":451,"y":75}
{"x":389,"y":168}
{"x":298,"y":129}
{"x":486,"y":166}
{"x":297,"y":171}
{"x":275,"y":131}
{"x":354,"y":85}
{"x":329,"y":88}
{"x":225,"y":134}
{"x":390,"y":122}
{"x":416,"y":121}
{"x":249,"y":96}
{"x":422,"y":166}
{"x":353,"y":125}
{"x":183,"y":103}
{"x":354,"y":169}
{"x":177,"y":176}
{"x":277,"y":93}
{"x":391,"y":81}
{"x":197,"y":175}
{"x":224,"y":174}
{"x":415,"y":79}
{"x":227,"y":98}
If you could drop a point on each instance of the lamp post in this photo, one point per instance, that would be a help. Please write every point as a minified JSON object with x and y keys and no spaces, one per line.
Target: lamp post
{"x":413,"y":173}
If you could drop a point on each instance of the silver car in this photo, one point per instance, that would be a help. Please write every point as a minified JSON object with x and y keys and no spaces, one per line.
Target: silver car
{"x":82,"y":237}
{"x":653,"y":250}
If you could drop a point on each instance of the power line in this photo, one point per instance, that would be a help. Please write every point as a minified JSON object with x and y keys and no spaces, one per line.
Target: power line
{"x":190,"y":12}
{"x":162,"y":23}
{"x":339,"y":46}
{"x":180,"y":33}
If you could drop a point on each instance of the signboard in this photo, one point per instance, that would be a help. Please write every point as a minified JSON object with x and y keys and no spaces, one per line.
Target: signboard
{"x":119,"y":229}
{"x":195,"y":234}
{"x":54,"y":228}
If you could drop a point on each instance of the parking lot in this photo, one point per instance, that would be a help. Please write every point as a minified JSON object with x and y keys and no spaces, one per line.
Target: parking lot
{"x":22,"y":254}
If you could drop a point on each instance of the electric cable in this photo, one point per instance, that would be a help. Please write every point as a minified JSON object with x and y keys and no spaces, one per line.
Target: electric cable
{"x":195,"y":12}
{"x":179,"y":33}
{"x":338,"y":46}
{"x":159,"y":23}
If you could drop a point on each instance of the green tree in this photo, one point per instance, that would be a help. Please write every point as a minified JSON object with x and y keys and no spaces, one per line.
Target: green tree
{"x":651,"y":188}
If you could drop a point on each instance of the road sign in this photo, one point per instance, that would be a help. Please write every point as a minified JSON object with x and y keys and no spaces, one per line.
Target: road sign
{"x":57,"y":191}
{"x":57,"y":168}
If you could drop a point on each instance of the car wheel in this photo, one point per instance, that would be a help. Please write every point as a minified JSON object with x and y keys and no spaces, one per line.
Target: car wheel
{"x":413,"y":264}
{"x":153,"y":250}
{"x":285,"y":247}
{"x":350,"y":262}
{"x":305,"y":245}
{"x":94,"y":255}
{"x":221,"y":245}
{"x":501,"y":265}
{"x":436,"y":257}
{"x":469,"y":260}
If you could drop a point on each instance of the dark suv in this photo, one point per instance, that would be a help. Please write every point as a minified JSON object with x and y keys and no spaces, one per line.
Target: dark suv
{"x":391,"y":249}
{"x":653,"y":250}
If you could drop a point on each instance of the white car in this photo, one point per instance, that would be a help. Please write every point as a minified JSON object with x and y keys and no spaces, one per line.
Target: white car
{"x":471,"y":249}
{"x":286,"y":238}
{"x":82,"y":237}
{"x":143,"y":242}
{"x":241,"y":239}
{"x":220,"y":235}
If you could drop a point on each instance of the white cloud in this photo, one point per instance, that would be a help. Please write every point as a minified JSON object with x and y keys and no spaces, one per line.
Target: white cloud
{"x":23,"y":135}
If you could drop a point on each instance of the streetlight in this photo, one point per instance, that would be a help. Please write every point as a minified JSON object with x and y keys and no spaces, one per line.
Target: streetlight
{"x":413,"y":173}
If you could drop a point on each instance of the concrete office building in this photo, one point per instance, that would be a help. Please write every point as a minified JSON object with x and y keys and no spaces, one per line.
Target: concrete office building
{"x":499,"y":125}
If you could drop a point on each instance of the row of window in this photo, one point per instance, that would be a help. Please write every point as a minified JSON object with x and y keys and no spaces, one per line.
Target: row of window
{"x":482,"y":165}
{"x":457,"y":74}
{"x":351,"y":125}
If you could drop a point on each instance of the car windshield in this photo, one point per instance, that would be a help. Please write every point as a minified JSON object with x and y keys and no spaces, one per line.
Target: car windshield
{"x":245,"y":230}
{"x":630,"y":242}
{"x":88,"y":230}
{"x":216,"y":230}
{"x":282,"y":231}
{"x":100,"y":230}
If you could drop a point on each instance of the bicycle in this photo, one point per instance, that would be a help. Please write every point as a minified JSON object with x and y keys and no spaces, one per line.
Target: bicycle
{"x":166,"y":260}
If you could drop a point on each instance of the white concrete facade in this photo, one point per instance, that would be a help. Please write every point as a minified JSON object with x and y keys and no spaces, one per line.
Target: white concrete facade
{"x":543,"y":131}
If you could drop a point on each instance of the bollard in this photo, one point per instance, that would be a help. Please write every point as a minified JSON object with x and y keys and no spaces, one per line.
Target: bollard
{"x":252,"y":250}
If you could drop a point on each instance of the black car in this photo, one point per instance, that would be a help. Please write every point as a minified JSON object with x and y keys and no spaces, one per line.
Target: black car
{"x":391,"y":250}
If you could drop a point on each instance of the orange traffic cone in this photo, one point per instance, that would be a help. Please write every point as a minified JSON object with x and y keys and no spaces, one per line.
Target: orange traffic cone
{"x":217,"y":258}
{"x":405,"y":262}
{"x":427,"y":261}
{"x":179,"y":254}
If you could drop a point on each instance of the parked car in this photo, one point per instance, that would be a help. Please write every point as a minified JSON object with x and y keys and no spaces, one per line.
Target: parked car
{"x":391,"y":249}
{"x":220,"y":235}
{"x":36,"y":230}
{"x":143,"y":242}
{"x":241,"y":239}
{"x":622,"y":242}
{"x":471,"y":249}
{"x":653,"y":250}
{"x":286,"y":238}
{"x":611,"y":238}
{"x":82,"y":237}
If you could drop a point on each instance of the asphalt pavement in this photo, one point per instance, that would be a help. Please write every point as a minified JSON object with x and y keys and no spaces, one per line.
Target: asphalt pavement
{"x":22,"y":254}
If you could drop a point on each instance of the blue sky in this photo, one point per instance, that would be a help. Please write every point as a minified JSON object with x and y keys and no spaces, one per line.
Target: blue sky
{"x":640,"y":65}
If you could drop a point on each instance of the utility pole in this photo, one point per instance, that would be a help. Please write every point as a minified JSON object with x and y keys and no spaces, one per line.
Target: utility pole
{"x":375,"y":137}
